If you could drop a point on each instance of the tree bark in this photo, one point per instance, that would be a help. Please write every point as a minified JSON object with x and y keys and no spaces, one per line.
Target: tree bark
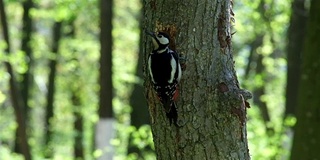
{"x":51,"y":86}
{"x":211,"y":108}
{"x":16,"y":98}
{"x":26,"y":83}
{"x":78,"y":126}
{"x":296,"y":34}
{"x":307,"y":132}
{"x":106,"y":94}
{"x":25,"y":46}
{"x":105,"y":130}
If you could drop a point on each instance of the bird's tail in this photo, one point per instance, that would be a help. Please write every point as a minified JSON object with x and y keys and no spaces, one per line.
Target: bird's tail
{"x":172,"y":114}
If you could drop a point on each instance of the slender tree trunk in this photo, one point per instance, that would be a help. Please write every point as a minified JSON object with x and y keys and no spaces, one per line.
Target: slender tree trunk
{"x":296,"y":34}
{"x":78,"y":126}
{"x":25,"y":46}
{"x":211,"y":108}
{"x":106,"y":94}
{"x":105,"y":128}
{"x":307,"y":132}
{"x":16,"y":98}
{"x":51,"y":86}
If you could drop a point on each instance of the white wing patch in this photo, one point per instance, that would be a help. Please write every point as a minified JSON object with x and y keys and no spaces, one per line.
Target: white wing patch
{"x":179,"y":73}
{"x":149,"y":67}
{"x":174,"y":68}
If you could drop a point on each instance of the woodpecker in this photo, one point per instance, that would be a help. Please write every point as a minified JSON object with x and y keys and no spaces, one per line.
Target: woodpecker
{"x":165,"y":73}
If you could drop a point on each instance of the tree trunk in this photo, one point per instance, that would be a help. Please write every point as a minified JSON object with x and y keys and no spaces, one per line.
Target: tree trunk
{"x":307,"y":132}
{"x":211,"y":108}
{"x":296,"y":33}
{"x":106,"y":94}
{"x":15,"y":95}
{"x":51,"y":86}
{"x":78,"y":126}
{"x":105,"y":130}
{"x":25,"y":46}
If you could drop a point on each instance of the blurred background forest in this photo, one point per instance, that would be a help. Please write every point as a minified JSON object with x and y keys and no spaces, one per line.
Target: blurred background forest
{"x":54,"y":51}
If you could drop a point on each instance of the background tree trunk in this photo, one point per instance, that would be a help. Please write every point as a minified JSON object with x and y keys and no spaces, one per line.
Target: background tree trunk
{"x":51,"y":86}
{"x":25,"y":46}
{"x":15,"y":95}
{"x":105,"y":130}
{"x":296,"y":34}
{"x":26,"y":83}
{"x":211,"y":108}
{"x":307,"y":131}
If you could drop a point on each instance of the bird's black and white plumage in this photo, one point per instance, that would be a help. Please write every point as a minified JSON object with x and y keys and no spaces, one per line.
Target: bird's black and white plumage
{"x":165,"y":73}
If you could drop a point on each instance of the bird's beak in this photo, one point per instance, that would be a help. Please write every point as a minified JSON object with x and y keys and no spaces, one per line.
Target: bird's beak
{"x":154,"y":39}
{"x":152,"y":34}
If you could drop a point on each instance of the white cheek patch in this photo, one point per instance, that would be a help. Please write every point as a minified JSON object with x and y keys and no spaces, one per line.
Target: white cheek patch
{"x":163,"y":40}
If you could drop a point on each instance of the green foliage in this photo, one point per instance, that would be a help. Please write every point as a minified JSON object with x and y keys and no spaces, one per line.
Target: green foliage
{"x":268,"y":19}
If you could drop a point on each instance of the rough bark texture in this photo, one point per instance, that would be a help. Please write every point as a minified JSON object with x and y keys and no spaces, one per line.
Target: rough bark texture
{"x":307,"y":132}
{"x":211,"y":108}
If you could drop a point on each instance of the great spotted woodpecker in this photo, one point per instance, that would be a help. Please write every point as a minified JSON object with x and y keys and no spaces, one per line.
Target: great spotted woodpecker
{"x":165,"y":73}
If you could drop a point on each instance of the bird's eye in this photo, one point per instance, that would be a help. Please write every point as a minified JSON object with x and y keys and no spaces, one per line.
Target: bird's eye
{"x":160,"y":36}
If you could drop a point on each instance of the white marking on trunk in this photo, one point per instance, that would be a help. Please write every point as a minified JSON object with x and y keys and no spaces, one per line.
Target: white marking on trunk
{"x":174,"y":68}
{"x":105,"y":132}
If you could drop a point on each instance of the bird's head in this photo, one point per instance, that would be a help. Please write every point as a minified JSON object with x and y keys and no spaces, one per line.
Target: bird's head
{"x":160,"y":40}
